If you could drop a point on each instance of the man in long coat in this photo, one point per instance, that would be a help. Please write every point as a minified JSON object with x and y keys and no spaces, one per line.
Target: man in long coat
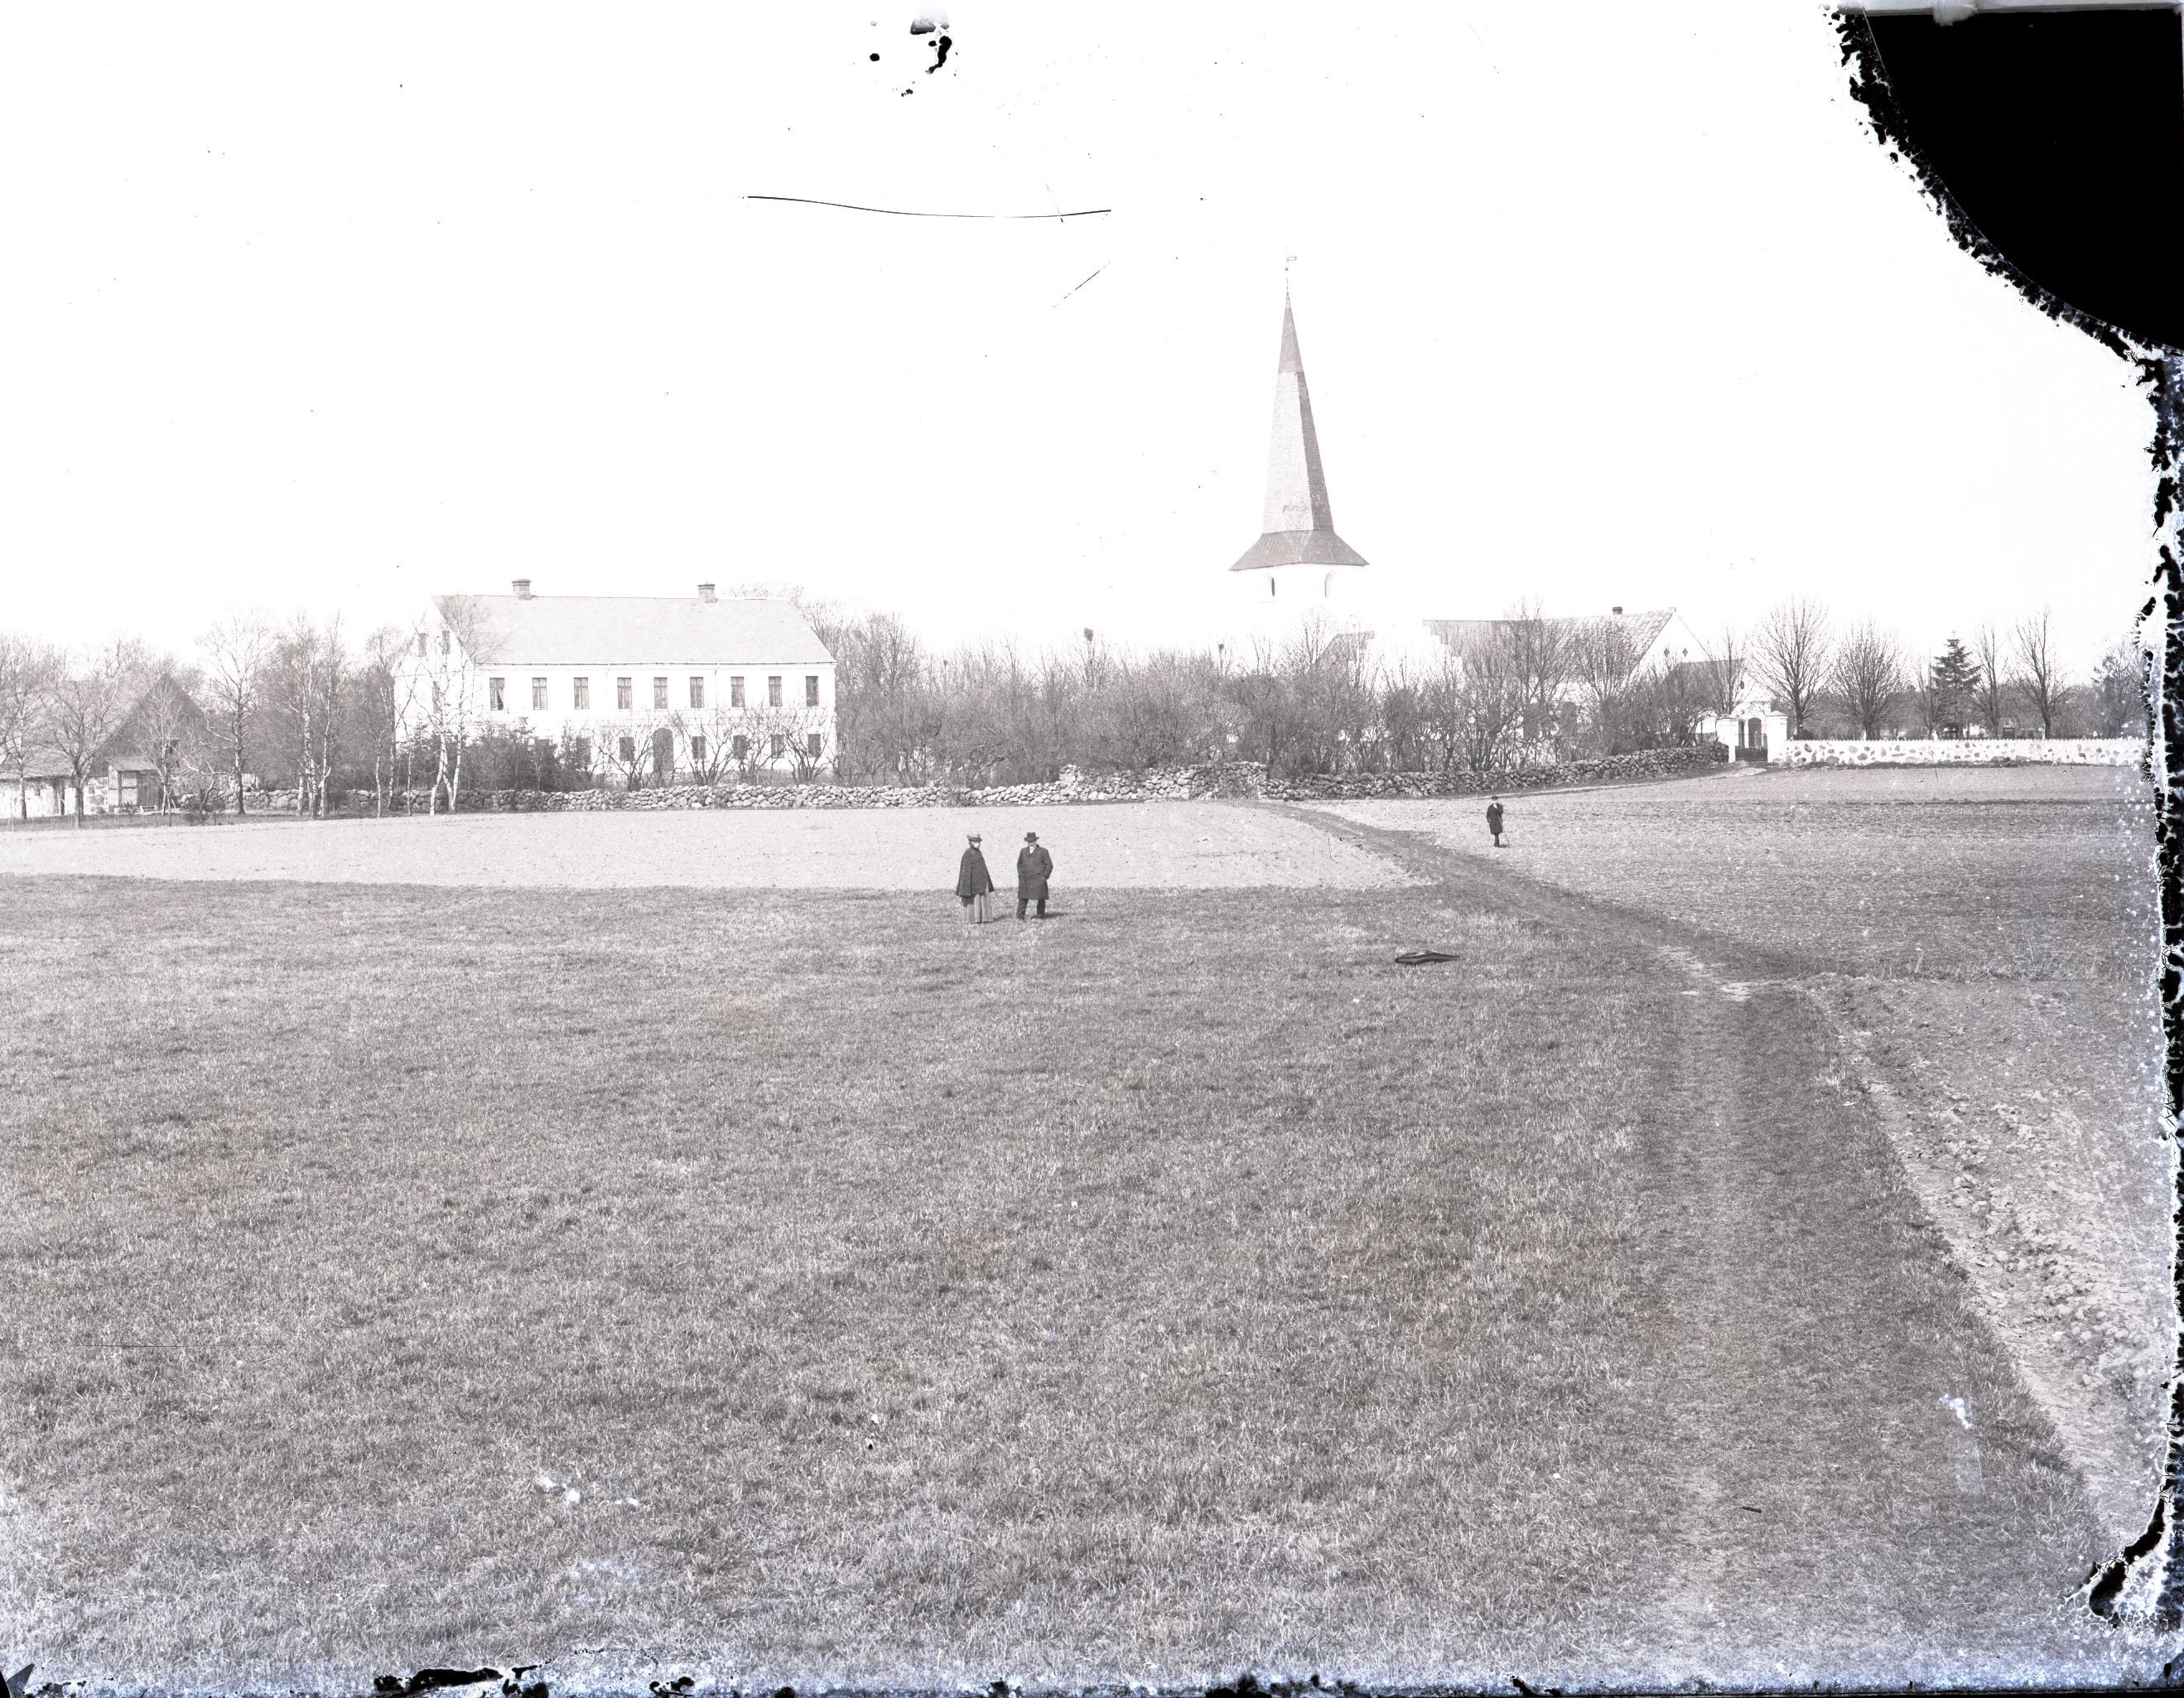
{"x":1034,"y":867}
{"x":973,"y":882}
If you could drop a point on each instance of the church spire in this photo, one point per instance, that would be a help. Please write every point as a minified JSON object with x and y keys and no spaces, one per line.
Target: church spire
{"x":1298,"y":526}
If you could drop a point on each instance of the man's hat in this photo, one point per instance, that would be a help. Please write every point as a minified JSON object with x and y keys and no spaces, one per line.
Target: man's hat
{"x":975,"y":837}
{"x":1031,"y":837}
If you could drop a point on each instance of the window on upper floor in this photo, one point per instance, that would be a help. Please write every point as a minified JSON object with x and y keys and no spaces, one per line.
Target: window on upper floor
{"x":445,"y":646}
{"x":420,"y":642}
{"x":660,"y":693}
{"x":811,"y":689}
{"x":496,"y":690}
{"x":537,"y":692}
{"x":582,"y":692}
{"x":697,"y":691}
{"x":773,"y":693}
{"x":623,"y":697}
{"x":735,"y":692}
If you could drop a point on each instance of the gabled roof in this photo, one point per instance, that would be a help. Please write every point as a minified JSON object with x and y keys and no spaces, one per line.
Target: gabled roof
{"x":123,"y":749}
{"x":639,"y":630}
{"x":1641,"y":631}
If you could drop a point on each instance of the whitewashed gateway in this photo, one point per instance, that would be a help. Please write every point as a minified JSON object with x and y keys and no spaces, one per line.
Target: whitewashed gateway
{"x":633,"y":689}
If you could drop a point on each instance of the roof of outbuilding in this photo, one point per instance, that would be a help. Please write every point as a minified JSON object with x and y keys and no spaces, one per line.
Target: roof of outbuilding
{"x":608,"y":629}
{"x":1641,"y":630}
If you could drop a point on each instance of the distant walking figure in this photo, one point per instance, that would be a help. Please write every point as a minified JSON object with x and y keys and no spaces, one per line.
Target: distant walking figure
{"x":1494,"y":820}
{"x":973,"y":883}
{"x":1034,"y":867}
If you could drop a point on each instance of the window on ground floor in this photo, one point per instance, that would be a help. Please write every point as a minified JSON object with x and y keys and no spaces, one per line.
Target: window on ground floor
{"x":697,"y":749}
{"x":739,"y":748}
{"x":580,"y":754}
{"x":780,"y":745}
{"x":628,"y":750}
{"x":812,"y":744}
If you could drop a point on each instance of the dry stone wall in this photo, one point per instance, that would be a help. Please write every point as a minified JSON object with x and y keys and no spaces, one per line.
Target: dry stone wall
{"x":1614,"y":768}
{"x":1964,"y":751}
{"x":1236,"y":779}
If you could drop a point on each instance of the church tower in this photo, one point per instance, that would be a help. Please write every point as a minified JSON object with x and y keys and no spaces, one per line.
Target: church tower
{"x":1298,"y":565}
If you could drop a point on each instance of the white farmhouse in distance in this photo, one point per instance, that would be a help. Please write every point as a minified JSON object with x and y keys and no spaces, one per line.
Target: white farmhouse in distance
{"x":637,"y":690}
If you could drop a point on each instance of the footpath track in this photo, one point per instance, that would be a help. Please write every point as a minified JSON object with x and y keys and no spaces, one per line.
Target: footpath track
{"x":1865,"y":1465}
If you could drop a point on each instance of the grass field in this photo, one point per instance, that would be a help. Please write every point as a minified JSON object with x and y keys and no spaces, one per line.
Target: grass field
{"x":795,"y":1285}
{"x":1157,"y":846}
{"x":1987,"y":941}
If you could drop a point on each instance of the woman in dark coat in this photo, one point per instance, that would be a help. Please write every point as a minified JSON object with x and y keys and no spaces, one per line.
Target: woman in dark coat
{"x":1034,"y":867}
{"x":973,"y":883}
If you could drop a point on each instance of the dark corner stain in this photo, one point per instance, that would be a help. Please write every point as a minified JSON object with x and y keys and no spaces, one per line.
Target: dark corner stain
{"x":1869,"y":86}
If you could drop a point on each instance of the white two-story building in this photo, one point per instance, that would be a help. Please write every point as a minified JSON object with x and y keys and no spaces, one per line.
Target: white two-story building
{"x":633,"y":689}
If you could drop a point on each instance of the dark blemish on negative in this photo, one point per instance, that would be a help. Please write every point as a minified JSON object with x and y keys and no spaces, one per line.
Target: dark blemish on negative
{"x":939,"y":58}
{"x":876,"y":59}
{"x":1869,"y":86}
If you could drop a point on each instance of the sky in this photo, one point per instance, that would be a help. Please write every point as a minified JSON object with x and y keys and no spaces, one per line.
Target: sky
{"x":330,"y":309}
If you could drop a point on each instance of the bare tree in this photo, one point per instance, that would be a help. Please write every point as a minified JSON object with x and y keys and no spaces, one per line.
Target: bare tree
{"x":27,"y":668}
{"x":464,"y":643}
{"x":1990,"y":698}
{"x":1790,"y":650}
{"x":85,"y":702}
{"x":1868,"y":671}
{"x":172,"y":727}
{"x":1604,"y":657}
{"x":1726,"y":663}
{"x":385,"y":696}
{"x":1482,"y":695}
{"x":235,"y":651}
{"x":1539,"y":649}
{"x":2121,"y":693}
{"x":307,"y":678}
{"x":2038,"y":675}
{"x":1669,"y":699}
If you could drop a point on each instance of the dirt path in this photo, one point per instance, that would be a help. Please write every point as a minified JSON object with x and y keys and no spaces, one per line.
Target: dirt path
{"x":1857,"y":1437}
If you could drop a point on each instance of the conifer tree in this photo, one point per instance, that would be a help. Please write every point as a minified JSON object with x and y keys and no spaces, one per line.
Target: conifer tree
{"x":1953,"y":684}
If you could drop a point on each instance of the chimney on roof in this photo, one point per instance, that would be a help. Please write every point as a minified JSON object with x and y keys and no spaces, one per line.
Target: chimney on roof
{"x":705,"y":592}
{"x":523,"y":589}
{"x":1616,"y":611}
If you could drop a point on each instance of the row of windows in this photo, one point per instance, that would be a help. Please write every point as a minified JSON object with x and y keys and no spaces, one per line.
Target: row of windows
{"x":663,"y":749}
{"x":626,"y":693}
